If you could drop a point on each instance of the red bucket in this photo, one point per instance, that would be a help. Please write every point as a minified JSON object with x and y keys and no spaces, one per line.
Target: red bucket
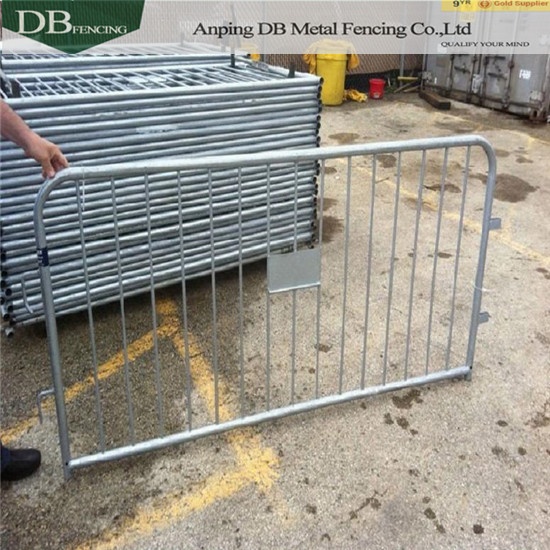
{"x":376,"y":88}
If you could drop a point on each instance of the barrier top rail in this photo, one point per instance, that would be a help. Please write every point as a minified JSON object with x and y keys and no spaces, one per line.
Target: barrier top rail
{"x":257,"y":159}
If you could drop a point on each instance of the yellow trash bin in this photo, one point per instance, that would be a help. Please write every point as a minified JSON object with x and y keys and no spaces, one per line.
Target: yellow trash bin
{"x":330,"y":59}
{"x":331,"y":67}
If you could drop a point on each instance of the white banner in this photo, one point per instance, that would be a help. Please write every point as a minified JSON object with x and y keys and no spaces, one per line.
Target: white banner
{"x":363,"y":27}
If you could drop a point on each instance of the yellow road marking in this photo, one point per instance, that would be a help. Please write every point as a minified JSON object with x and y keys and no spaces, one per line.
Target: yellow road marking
{"x":245,"y":443}
{"x":502,"y":237}
{"x":174,"y":506}
{"x":521,"y":248}
{"x":255,"y":463}
{"x":111,"y":366}
{"x":15,"y":432}
{"x":508,"y":222}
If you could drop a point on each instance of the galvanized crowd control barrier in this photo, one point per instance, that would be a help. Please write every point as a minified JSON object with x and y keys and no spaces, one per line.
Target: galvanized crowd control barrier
{"x":383,"y":293}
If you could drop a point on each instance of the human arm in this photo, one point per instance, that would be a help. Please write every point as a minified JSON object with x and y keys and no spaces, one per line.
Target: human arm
{"x":14,"y":128}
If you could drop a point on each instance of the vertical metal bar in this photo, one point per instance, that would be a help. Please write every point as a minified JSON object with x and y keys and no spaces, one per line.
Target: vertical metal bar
{"x":457,"y":256}
{"x":293,"y":352}
{"x":345,"y":289}
{"x":478,"y":285}
{"x":131,"y":426}
{"x":295,"y":248}
{"x":187,"y":360}
{"x":436,"y":251}
{"x":392,"y":268}
{"x":158,"y":383}
{"x":241,"y":305}
{"x":214,"y":304}
{"x":53,"y":338}
{"x":369,"y":271}
{"x":268,"y":296}
{"x":414,"y":257}
{"x":319,"y":294}
{"x":295,"y":243}
{"x":99,"y":411}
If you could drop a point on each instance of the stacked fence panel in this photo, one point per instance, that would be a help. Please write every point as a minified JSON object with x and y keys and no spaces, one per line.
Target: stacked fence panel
{"x":115,"y":56}
{"x":109,"y":115}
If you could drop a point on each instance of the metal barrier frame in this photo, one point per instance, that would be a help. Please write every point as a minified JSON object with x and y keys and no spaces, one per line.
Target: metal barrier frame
{"x":236,"y":161}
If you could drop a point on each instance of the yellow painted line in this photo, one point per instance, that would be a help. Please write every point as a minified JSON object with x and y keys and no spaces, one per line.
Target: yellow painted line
{"x":15,"y":432}
{"x":246,"y":443}
{"x":502,"y":237}
{"x":521,"y":248}
{"x":203,"y":378}
{"x":256,"y":464}
{"x":174,"y":506}
{"x":135,"y":350}
{"x":111,"y":366}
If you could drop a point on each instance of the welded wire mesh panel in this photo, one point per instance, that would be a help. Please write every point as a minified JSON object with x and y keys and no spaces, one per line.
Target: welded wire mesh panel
{"x":372,"y":283}
{"x":116,"y":56}
{"x":138,"y":78}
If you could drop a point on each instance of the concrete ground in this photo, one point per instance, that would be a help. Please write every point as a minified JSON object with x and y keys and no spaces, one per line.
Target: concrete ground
{"x":449,"y":465}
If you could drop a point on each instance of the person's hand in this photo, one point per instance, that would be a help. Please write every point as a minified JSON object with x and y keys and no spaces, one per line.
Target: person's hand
{"x":46,"y":153}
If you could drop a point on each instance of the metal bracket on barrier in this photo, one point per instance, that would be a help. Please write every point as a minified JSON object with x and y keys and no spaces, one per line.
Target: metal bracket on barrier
{"x":495,"y":223}
{"x":293,"y":271}
{"x":483,"y":317}
{"x":39,"y":397}
{"x":24,"y":292}
{"x":43,"y":257}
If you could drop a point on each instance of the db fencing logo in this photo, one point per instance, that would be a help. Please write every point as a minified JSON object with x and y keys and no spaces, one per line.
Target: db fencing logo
{"x":58,"y":22}
{"x":81,"y":25}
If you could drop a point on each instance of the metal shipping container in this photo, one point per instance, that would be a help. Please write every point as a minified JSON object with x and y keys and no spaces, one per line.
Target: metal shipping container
{"x":519,"y":84}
